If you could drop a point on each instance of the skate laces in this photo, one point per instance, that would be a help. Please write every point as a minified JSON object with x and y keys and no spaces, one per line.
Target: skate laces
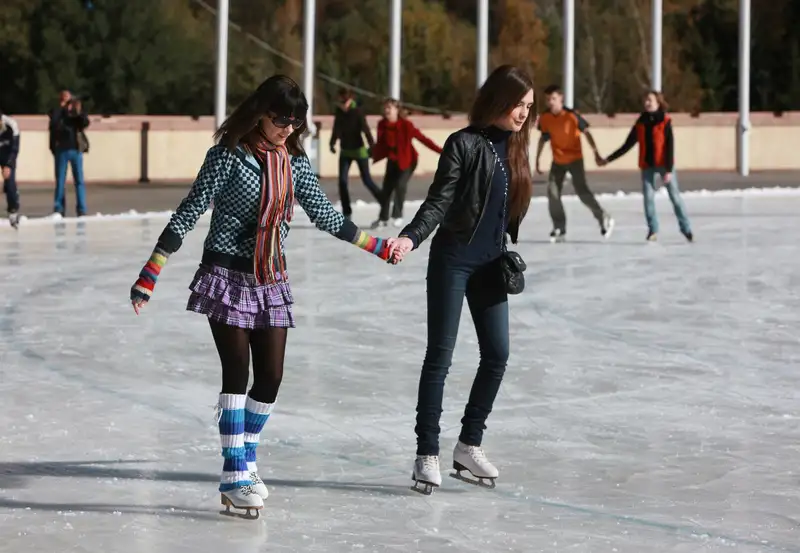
{"x":256,"y":478}
{"x":247,"y":490}
{"x":477,"y":453}
{"x":430,"y":462}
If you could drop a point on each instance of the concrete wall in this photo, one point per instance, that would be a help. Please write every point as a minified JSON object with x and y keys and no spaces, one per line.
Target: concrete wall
{"x":126,"y":148}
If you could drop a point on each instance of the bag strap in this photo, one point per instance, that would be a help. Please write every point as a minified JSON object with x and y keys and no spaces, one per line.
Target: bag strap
{"x":499,"y":161}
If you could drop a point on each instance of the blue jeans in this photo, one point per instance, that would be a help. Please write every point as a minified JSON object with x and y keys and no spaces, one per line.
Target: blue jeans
{"x":10,"y":188}
{"x":75,"y":160}
{"x":449,"y":280}
{"x":649,"y":192}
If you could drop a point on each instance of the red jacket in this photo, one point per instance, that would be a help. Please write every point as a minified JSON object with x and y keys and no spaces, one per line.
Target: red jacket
{"x":406,"y":155}
{"x":653,"y":133}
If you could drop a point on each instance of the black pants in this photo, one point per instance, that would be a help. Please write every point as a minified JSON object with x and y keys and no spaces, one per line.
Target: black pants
{"x":363,"y":169}
{"x":395,"y":181}
{"x":449,"y":281}
{"x":10,"y":189}
{"x":268,"y":348}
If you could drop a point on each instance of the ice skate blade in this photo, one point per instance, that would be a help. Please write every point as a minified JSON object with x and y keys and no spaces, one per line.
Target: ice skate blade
{"x":250,"y":513}
{"x":481,"y":482}
{"x":427,"y":488}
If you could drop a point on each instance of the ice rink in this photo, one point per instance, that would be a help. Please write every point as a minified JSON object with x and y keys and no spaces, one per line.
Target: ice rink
{"x":651,"y":404}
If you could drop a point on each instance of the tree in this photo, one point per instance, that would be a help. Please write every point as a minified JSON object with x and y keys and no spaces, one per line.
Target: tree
{"x":17,"y":58}
{"x":522,"y":39}
{"x":122,"y":60}
{"x":153,"y":56}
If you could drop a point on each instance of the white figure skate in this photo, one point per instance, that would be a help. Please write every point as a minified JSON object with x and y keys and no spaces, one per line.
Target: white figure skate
{"x":426,"y":473}
{"x":558,"y":236}
{"x":258,"y":486}
{"x":242,"y":498}
{"x":473,"y":460}
{"x":607,"y":227}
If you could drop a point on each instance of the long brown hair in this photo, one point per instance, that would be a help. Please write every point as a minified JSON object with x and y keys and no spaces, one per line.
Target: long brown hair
{"x":501,"y":93}
{"x":278,"y":96}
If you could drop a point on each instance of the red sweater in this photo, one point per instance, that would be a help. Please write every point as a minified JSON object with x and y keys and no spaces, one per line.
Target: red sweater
{"x":400,"y":149}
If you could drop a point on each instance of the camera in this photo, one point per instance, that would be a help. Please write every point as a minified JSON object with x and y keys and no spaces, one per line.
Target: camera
{"x":75,"y":101}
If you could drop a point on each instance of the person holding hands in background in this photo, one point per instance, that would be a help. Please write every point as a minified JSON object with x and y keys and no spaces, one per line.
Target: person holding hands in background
{"x":653,"y":133}
{"x":562,"y":127}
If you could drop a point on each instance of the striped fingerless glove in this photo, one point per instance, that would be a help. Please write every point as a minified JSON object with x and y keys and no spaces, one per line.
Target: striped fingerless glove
{"x":372,"y":244}
{"x":143,"y":288}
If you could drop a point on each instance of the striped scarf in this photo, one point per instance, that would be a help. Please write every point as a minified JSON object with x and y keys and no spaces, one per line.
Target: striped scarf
{"x":277,"y":205}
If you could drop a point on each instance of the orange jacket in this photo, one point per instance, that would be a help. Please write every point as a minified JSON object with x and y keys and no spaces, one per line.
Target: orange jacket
{"x":564,"y":133}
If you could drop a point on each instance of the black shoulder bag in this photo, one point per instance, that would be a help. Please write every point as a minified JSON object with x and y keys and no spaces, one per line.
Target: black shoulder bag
{"x":512,"y":265}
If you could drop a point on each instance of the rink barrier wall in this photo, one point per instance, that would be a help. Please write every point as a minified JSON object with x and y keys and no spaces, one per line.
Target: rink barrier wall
{"x":134,"y":148}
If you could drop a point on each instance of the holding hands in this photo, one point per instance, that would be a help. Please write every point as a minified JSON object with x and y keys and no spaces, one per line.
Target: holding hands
{"x":599,"y":160}
{"x":401,"y":246}
{"x":394,"y":249}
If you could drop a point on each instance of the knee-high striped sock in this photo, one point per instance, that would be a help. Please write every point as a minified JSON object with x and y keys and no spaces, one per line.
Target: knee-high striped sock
{"x":231,"y":435}
{"x":255,"y":417}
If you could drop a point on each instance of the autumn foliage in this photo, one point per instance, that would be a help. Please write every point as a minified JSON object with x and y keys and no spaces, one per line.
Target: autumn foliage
{"x":158,"y":57}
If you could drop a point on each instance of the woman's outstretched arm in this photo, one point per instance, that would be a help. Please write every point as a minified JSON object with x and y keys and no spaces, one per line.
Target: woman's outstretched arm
{"x":321,"y":212}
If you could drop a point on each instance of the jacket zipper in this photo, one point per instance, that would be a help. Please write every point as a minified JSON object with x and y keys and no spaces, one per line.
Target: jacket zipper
{"x":485,"y":199}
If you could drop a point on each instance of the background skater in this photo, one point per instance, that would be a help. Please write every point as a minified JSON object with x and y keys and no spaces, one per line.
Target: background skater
{"x":395,"y":143}
{"x":349,"y":128}
{"x":653,"y":133}
{"x":9,"y":149}
{"x":562,"y":127}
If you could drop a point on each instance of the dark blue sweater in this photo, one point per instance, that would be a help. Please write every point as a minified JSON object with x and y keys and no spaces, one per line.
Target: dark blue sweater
{"x":488,"y":240}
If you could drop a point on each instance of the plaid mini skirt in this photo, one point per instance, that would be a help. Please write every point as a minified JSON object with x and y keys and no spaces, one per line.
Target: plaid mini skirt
{"x":236,"y":299}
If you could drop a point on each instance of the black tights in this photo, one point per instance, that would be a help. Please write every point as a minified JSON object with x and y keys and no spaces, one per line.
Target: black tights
{"x":268,"y":346}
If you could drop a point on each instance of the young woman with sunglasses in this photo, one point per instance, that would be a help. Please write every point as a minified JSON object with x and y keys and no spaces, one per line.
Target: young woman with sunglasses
{"x":253,"y":175}
{"x":480,"y":193}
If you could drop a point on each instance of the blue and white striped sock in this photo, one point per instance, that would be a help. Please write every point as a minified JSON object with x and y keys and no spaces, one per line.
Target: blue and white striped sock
{"x":256,"y":415}
{"x":231,"y":436}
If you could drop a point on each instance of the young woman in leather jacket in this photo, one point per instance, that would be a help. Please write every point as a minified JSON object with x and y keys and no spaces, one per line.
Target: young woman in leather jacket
{"x":481,"y":191}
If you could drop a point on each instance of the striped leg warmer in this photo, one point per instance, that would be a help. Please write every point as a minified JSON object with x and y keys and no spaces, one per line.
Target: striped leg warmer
{"x":372,"y":244}
{"x":255,"y":417}
{"x":231,"y":435}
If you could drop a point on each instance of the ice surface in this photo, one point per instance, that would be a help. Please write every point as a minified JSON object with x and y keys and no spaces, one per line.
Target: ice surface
{"x":650,"y":405}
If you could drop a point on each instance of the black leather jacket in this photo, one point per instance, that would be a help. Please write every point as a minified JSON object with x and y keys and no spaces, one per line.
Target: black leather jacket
{"x":457,"y":198}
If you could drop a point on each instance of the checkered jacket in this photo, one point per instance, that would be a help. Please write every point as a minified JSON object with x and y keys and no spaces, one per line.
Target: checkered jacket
{"x":232,"y":180}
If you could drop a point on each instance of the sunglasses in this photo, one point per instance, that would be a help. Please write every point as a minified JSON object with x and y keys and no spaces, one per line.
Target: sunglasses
{"x":282,"y":121}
